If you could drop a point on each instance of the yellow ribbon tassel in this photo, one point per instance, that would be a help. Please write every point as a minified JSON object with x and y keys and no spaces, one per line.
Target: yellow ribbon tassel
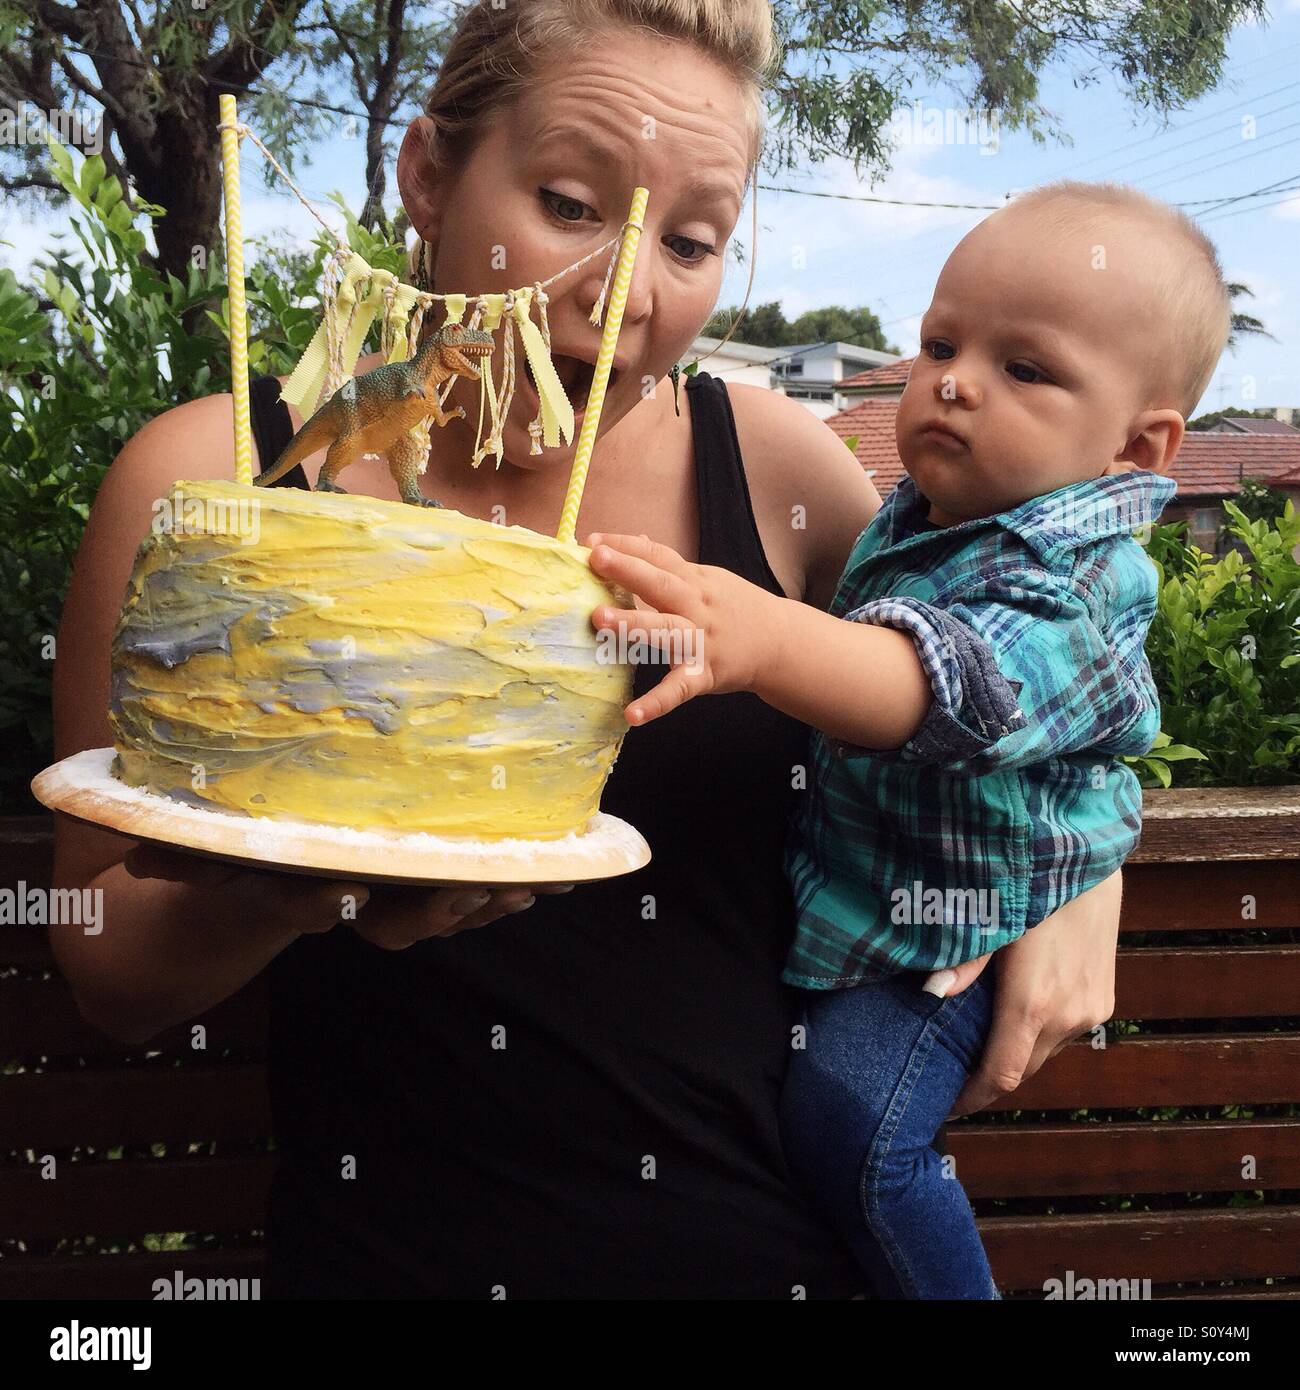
{"x":557,"y":410}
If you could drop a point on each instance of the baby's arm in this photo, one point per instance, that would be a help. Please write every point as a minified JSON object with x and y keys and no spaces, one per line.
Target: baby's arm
{"x":856,"y":682}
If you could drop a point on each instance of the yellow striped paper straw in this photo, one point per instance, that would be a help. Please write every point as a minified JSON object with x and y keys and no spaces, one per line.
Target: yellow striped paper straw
{"x":604,"y":360}
{"x":235,"y":292}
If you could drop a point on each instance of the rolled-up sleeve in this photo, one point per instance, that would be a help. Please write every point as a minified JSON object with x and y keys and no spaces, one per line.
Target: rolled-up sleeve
{"x":1021,"y":671}
{"x":973,"y":703}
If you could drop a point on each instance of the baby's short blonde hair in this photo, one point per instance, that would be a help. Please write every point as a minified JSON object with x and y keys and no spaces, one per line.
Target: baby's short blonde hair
{"x":1188,"y":286}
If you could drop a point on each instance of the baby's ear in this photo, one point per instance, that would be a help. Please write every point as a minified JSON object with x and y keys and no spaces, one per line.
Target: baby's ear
{"x":1154,"y":443}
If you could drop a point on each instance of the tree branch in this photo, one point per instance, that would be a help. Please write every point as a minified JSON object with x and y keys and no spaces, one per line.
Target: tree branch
{"x":244,"y":59}
{"x":20,"y":182}
{"x":76,"y":22}
{"x":84,"y":85}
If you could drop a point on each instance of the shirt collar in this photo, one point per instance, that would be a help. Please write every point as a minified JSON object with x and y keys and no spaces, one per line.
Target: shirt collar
{"x":1051,"y":525}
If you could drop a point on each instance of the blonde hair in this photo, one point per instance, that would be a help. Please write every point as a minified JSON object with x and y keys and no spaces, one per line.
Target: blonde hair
{"x":497,"y":50}
{"x":1188,"y":285}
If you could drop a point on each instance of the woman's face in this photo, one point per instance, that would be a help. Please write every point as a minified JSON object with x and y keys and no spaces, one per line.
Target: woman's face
{"x":552,"y":179}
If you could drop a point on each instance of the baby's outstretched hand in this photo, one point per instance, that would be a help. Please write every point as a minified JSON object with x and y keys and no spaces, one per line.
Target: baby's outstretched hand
{"x":708,"y":624}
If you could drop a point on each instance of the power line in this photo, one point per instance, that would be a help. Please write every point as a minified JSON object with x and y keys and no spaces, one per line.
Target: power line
{"x":1259,"y":206}
{"x":867,"y":198}
{"x":268,"y":88}
{"x":1225,"y":163}
{"x":1257,"y":193}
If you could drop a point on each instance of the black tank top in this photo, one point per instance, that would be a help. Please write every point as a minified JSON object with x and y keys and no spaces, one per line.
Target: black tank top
{"x":579,"y":1100}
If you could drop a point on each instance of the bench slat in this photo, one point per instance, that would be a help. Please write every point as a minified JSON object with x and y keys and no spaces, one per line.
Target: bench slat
{"x":1208,"y":897}
{"x":1214,"y":823}
{"x":147,"y":1104}
{"x":1165,"y":1247}
{"x":122,"y":1276}
{"x":1068,"y":1160}
{"x":129,"y":1198}
{"x":1208,"y":982}
{"x":1179,"y":1069}
{"x":39,"y":1018}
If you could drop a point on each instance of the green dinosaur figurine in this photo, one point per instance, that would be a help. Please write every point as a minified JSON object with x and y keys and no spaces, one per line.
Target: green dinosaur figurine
{"x":375,"y":413}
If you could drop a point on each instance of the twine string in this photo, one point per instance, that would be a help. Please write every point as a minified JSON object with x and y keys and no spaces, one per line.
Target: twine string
{"x":336,"y":333}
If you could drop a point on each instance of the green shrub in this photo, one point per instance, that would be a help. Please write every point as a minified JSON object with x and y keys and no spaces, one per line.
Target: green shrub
{"x":1225,"y":653}
{"x":97,"y":344}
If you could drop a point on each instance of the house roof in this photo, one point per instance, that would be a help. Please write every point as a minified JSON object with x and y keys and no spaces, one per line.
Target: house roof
{"x":889,"y":375}
{"x":1213,"y":465}
{"x":873,"y":423}
{"x":842,"y":349}
{"x":745,"y":352}
{"x":1248,"y":424}
{"x":1208,"y":465}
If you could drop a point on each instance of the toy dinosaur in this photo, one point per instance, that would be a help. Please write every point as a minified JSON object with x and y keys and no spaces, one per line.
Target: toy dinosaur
{"x":375,"y":413}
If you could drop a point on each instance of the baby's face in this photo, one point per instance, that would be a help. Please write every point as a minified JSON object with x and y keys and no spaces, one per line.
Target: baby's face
{"x":1034,"y":364}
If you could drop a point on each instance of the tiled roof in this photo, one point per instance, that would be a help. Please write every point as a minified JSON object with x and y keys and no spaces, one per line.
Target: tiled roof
{"x":872,"y":421}
{"x":1213,"y":465}
{"x":1208,"y":465}
{"x":890,"y":374}
{"x":1287,"y":479}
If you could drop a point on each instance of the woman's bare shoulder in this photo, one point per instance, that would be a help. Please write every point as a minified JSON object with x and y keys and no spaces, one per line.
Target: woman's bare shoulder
{"x":799,"y":469}
{"x":194,"y":440}
{"x":187,"y":442}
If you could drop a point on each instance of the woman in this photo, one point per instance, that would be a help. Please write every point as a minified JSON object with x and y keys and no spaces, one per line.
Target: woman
{"x":582,"y":1099}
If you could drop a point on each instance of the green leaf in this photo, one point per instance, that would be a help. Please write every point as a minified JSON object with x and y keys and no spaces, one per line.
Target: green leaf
{"x":60,"y":160}
{"x":109,"y":194}
{"x":1180,"y":752}
{"x":92,"y":175}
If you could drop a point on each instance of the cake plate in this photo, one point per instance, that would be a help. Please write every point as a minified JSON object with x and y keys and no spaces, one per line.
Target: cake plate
{"x":82,"y":786}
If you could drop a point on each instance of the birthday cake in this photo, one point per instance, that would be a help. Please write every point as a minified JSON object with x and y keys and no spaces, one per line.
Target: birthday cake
{"x":345,"y":661}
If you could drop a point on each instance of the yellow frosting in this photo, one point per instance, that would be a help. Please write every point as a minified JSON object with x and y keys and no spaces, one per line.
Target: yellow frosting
{"x":354,"y":662}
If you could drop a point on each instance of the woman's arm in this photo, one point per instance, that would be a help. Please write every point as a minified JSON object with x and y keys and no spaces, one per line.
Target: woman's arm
{"x":180,"y":934}
{"x":1055,"y":983}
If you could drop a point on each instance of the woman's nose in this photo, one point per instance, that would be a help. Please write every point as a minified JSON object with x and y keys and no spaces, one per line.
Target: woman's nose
{"x":640,"y":294}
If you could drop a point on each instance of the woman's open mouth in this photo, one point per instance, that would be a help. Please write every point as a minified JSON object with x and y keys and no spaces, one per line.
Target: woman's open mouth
{"x":575,"y":376}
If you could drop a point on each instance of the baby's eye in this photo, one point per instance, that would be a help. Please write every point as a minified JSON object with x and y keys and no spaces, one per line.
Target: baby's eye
{"x":938,"y":349}
{"x":1022,"y":371}
{"x":562,"y":206}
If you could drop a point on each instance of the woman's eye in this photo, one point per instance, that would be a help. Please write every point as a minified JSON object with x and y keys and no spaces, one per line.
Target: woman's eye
{"x":572,"y":210}
{"x":1022,"y":371}
{"x":939,"y":350}
{"x":688,"y":248}
{"x":565,"y":208}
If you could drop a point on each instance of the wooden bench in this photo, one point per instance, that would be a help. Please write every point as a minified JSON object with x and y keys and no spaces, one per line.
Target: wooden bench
{"x":1216,"y":995}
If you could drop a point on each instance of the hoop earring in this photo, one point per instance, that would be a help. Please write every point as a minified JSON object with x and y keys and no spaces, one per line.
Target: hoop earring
{"x":421,"y":268}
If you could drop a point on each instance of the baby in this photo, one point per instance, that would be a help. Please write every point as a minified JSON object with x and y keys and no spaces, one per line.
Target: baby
{"x":975,"y":683}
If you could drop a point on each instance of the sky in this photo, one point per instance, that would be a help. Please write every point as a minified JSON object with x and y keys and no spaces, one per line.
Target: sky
{"x":1243,"y":136}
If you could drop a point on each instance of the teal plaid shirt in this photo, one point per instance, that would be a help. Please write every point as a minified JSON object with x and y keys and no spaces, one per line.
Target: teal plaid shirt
{"x":1009,"y":800}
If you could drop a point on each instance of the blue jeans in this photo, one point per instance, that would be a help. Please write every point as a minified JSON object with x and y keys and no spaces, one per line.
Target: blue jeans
{"x":881,"y":1067}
